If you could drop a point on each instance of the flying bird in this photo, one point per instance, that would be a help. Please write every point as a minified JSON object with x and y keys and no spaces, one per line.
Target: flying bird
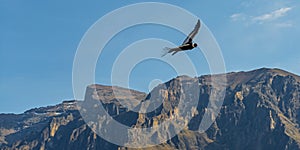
{"x":187,"y":43}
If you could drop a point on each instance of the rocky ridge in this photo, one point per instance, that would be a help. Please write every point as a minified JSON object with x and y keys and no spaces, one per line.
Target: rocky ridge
{"x":261,"y":110}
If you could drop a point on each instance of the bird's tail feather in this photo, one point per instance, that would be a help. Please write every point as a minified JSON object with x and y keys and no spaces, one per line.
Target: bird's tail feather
{"x":174,"y":53}
{"x":165,"y":51}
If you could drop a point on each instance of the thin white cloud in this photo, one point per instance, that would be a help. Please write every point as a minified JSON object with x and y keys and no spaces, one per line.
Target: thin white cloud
{"x":237,"y":16}
{"x":272,"y":15}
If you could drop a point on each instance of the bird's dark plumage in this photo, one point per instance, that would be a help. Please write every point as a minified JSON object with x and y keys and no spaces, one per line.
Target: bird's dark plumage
{"x":187,"y":43}
{"x":189,"y":39}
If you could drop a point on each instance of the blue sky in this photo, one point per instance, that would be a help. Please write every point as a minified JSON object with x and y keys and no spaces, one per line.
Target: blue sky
{"x":38,"y":42}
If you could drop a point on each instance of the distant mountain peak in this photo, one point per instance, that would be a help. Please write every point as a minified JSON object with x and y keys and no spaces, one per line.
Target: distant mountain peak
{"x":261,"y":110}
{"x":266,"y":71}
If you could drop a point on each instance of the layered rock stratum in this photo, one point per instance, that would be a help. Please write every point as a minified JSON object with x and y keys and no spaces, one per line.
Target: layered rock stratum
{"x":261,"y":110}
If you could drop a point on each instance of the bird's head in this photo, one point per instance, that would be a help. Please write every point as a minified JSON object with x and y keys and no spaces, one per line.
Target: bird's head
{"x":194,"y":45}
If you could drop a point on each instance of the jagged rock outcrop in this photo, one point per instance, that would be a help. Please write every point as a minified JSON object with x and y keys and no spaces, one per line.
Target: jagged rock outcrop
{"x":261,"y":110}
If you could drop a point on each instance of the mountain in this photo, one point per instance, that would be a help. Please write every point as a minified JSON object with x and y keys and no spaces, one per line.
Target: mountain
{"x":261,"y":110}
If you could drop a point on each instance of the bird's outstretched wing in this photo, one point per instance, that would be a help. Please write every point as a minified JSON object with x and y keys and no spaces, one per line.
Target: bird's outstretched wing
{"x":192,"y":34}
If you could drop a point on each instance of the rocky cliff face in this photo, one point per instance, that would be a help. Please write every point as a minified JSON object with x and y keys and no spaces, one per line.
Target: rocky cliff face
{"x":261,"y":110}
